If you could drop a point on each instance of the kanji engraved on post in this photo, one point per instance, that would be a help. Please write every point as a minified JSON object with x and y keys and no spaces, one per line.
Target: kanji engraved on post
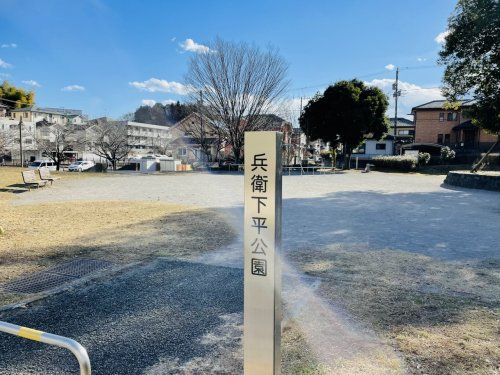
{"x":259,"y":183}
{"x":259,"y":223}
{"x":259,"y":161}
{"x":260,"y":202}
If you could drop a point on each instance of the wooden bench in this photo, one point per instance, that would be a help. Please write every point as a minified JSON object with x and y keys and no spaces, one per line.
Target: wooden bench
{"x":30,"y":180}
{"x":46,"y":176}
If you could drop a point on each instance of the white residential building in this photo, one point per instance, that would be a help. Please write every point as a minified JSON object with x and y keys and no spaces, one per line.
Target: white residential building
{"x":147,"y":138}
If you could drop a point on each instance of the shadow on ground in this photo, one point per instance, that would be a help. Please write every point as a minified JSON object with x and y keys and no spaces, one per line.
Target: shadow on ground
{"x":127,"y":324}
{"x":423,"y":269}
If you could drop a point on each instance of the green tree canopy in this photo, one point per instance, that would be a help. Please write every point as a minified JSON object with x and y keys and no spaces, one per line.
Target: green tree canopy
{"x":160,"y":114}
{"x":345,"y":113}
{"x":471,"y":54}
{"x":15,"y":97}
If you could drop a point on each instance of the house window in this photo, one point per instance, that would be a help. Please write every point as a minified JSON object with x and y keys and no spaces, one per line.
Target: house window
{"x":182,"y":151}
{"x":451,"y":116}
{"x":441,"y":116}
{"x":403,"y":132}
{"x":440,"y":139}
{"x":447,"y":139}
{"x":28,"y":141}
{"x":380,"y":146}
{"x":25,"y":114}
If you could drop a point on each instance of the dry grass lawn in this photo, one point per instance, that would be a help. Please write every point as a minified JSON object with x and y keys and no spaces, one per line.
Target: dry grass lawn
{"x":41,"y":235}
{"x":443,"y":316}
{"x":37,"y":236}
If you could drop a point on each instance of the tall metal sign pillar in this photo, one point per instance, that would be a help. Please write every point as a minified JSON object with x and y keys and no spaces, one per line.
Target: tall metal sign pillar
{"x":262,"y":247}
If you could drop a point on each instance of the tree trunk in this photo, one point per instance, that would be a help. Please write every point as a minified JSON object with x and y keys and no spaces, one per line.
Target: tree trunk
{"x":236,"y":154}
{"x":113,"y":163}
{"x":479,"y":165}
{"x":347,"y":157}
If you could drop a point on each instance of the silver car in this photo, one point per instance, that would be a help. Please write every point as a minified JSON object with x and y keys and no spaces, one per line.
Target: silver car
{"x":80,"y":166}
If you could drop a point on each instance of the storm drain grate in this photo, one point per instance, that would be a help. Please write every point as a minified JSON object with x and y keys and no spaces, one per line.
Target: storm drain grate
{"x":55,"y":276}
{"x":79,"y":267}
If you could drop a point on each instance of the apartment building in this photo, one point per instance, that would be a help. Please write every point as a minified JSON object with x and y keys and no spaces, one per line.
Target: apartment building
{"x":147,"y":138}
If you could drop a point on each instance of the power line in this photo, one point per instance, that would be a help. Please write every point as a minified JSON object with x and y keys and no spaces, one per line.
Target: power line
{"x":416,"y":67}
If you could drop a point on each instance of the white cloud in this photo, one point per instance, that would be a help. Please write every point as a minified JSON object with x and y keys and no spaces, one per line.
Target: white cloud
{"x":9,"y":45}
{"x":389,"y":66}
{"x":191,"y":46}
{"x":441,"y":37}
{"x":4,"y":64}
{"x":161,"y":85}
{"x":5,"y":75}
{"x":31,"y":82}
{"x":152,"y":102}
{"x":73,"y":88}
{"x":411,"y":95}
{"x":173,"y":39}
{"x":421,"y":59}
{"x":149,"y":102}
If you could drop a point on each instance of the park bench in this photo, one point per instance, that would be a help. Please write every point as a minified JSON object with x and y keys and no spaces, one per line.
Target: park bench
{"x":46,"y":176}
{"x":368,"y":168}
{"x":31,"y":181}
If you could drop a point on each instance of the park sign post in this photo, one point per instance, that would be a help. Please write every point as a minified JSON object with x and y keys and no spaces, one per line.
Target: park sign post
{"x":262,"y":244}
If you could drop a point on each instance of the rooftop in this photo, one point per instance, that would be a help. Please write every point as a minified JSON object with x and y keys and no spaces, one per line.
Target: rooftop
{"x":439,"y":104}
{"x":54,"y":111}
{"x":401,"y":123}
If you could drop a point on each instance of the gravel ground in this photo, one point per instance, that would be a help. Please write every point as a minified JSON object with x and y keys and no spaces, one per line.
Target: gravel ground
{"x":157,"y":317}
{"x":410,"y":212}
{"x":352,"y":211}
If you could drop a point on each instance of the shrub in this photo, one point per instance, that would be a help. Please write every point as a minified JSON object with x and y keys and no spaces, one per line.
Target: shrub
{"x":423,"y":158}
{"x":447,"y":154}
{"x":398,"y":162}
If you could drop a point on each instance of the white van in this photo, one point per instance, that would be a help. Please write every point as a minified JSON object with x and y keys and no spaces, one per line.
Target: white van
{"x":37,"y":164}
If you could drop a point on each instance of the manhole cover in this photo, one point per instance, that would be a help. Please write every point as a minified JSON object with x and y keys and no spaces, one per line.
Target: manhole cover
{"x":55,"y":276}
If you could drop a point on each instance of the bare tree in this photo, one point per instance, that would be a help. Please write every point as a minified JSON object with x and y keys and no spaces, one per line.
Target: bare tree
{"x":56,"y":140}
{"x":110,"y":140}
{"x":6,"y":140}
{"x":239,"y":83}
{"x":162,"y":146}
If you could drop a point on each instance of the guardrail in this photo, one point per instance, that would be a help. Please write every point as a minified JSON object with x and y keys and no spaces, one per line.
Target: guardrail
{"x":47,"y":338}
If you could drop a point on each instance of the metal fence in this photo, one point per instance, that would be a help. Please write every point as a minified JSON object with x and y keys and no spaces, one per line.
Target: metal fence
{"x":295,"y":170}
{"x":47,"y":338}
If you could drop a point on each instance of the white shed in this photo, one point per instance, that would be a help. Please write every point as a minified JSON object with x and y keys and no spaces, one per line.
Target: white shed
{"x":382,"y":147}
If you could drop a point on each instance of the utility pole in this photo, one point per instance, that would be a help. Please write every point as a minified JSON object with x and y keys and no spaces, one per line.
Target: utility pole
{"x":21,"y":139}
{"x":202,"y":135}
{"x":298,"y":141}
{"x":396,"y":94}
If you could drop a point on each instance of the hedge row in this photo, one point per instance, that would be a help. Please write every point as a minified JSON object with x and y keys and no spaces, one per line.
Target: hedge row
{"x":401,"y":163}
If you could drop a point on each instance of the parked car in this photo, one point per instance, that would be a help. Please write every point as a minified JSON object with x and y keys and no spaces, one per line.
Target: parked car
{"x":37,"y":164}
{"x":80,"y":166}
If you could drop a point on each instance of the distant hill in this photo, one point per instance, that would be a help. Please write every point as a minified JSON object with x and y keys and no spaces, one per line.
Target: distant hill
{"x":166,"y":115}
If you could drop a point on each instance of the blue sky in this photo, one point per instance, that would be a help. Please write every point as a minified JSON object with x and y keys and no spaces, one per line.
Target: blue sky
{"x":101,"y":55}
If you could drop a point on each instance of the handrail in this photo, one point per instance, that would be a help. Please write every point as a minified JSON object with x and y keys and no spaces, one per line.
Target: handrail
{"x":47,"y":338}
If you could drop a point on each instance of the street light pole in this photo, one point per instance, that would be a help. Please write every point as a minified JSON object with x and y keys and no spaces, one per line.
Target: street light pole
{"x":21,"y":140}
